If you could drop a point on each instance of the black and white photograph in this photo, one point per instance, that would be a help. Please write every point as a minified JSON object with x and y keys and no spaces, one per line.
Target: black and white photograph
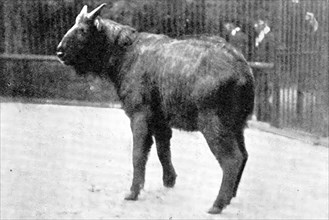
{"x":164,"y":109}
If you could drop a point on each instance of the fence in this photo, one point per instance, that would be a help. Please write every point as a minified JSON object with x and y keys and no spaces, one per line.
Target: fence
{"x":302,"y":66}
{"x":43,"y":77}
{"x":285,"y":41}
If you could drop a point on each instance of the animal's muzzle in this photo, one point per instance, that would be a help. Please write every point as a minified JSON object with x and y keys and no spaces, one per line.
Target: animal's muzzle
{"x":60,"y":54}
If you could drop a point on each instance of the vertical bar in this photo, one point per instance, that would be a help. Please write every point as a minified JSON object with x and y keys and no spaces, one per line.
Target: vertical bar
{"x":219,"y":18}
{"x":45,"y":17}
{"x":276,"y":116}
{"x":160,"y":13}
{"x":285,"y":59}
{"x":235,"y":14}
{"x":153,"y":18}
{"x":324,"y":98}
{"x":215,"y":28}
{"x":24,"y":22}
{"x":320,"y":106}
{"x":209,"y":19}
{"x":16,"y":32}
{"x":29,"y":27}
{"x":316,"y":86}
{"x":307,"y":87}
{"x":146,"y":17}
{"x":225,"y":20}
{"x":177,"y":17}
{"x":136,"y":19}
{"x":203,"y":16}
{"x":249,"y":33}
{"x":262,"y":94}
{"x":53,"y":28}
{"x":300,"y":95}
{"x":180,"y":18}
{"x":3,"y":79}
{"x":288,"y":61}
{"x":306,"y":77}
{"x":193,"y":18}
{"x":165,"y":18}
{"x":38,"y":40}
{"x":283,"y":87}
{"x":172,"y":19}
{"x":198,"y":17}
{"x":2,"y":27}
{"x":280,"y":64}
{"x":184,"y":18}
{"x":21,"y":26}
{"x":58,"y":26}
{"x":7,"y":25}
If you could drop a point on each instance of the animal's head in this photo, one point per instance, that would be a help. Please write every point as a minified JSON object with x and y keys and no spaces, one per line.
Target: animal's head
{"x":81,"y":38}
{"x":94,"y":43}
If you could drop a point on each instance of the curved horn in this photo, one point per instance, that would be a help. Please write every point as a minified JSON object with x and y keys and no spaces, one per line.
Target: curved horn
{"x":82,"y":14}
{"x":92,"y":15}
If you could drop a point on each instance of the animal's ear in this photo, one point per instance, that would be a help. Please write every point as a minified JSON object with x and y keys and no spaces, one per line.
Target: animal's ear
{"x":93,"y":14}
{"x":126,"y":37}
{"x":98,"y":24}
{"x":82,"y":14}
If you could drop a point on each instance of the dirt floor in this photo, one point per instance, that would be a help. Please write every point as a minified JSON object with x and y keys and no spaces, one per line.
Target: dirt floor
{"x":68,"y":162}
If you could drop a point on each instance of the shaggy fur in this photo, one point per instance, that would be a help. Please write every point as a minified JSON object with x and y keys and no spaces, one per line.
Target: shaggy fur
{"x":199,"y":84}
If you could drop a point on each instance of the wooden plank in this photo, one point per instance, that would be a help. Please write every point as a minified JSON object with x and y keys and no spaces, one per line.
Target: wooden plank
{"x":28,"y":57}
{"x":258,"y":65}
{"x":261,"y":65}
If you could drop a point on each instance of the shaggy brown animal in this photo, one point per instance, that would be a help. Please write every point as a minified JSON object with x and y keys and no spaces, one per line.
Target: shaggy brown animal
{"x":194,"y":84}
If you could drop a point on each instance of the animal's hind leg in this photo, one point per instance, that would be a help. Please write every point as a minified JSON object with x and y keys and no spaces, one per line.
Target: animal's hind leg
{"x":242,"y":147}
{"x":162,"y":139}
{"x":224,"y":146}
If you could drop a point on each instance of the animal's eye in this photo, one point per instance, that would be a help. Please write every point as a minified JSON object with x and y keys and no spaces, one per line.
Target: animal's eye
{"x":82,"y":33}
{"x":82,"y":30}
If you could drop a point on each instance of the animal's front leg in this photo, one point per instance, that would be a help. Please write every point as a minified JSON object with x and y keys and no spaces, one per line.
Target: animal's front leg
{"x":142,"y":142}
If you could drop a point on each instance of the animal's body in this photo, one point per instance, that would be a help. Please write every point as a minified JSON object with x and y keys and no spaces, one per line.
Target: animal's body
{"x":194,"y":84}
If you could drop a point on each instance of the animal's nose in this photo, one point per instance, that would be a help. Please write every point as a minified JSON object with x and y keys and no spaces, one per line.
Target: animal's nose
{"x":60,"y":51}
{"x":60,"y":54}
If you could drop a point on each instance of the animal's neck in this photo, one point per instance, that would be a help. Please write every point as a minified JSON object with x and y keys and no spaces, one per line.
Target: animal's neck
{"x":118,"y":54}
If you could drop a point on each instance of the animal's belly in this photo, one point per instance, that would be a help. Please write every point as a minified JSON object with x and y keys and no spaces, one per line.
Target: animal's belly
{"x":183,"y":124}
{"x":183,"y":117}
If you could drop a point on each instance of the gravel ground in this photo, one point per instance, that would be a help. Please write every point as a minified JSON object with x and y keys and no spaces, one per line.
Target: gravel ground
{"x":69,"y":162}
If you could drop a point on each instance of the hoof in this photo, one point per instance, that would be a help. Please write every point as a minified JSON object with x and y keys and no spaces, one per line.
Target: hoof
{"x":169,"y":181}
{"x":215,"y":210}
{"x":132,"y":196}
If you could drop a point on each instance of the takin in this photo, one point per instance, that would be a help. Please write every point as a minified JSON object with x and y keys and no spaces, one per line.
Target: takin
{"x":193,"y":84}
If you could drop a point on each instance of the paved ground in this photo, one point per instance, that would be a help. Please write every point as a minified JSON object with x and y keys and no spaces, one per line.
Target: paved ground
{"x":68,"y":162}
